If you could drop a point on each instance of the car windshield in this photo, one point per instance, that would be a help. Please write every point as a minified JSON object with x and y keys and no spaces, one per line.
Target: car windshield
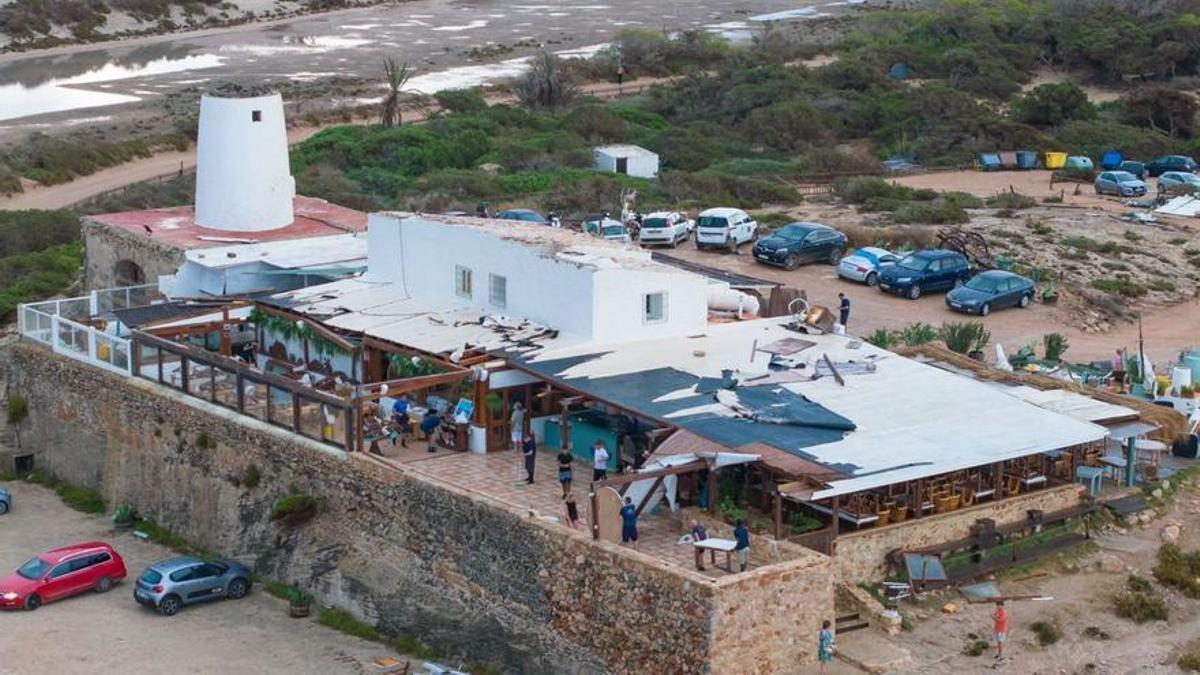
{"x":1123,"y":176}
{"x":613,"y":230}
{"x":655,"y":222}
{"x":713,"y":221}
{"x":792,"y":232}
{"x":914,"y":263}
{"x":983,"y":283}
{"x":151,"y":576}
{"x":34,"y":569}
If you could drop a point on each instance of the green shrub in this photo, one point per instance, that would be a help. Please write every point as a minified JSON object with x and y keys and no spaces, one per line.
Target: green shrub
{"x":297,"y":507}
{"x":916,"y":334}
{"x":1054,"y":346}
{"x":963,"y":337}
{"x":251,"y":476}
{"x":1014,"y":201}
{"x":343,"y":621}
{"x":81,"y":499}
{"x":931,"y":213}
{"x":1161,"y":285}
{"x":881,"y":338}
{"x":1124,"y":287}
{"x":1140,"y":602}
{"x":1178,"y":569}
{"x":18,"y":409}
{"x":800,"y":523}
{"x":1189,"y":662}
{"x":460,"y":100}
{"x":1047,"y":633}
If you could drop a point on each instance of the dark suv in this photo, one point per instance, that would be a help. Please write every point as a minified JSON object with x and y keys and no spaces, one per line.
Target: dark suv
{"x":797,"y":243}
{"x":1171,"y":163}
{"x":933,"y":270}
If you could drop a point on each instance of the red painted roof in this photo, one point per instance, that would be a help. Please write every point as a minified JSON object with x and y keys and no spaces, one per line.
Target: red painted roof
{"x":176,"y":226}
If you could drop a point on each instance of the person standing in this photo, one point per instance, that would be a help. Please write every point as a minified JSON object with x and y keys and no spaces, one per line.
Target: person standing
{"x":572,"y":511}
{"x":529,"y":452}
{"x":1000,"y":627}
{"x":400,"y":422}
{"x":741,"y":552}
{"x":629,"y":533}
{"x":825,"y":646}
{"x":516,"y":432}
{"x":599,"y":461}
{"x":429,"y":425}
{"x":843,"y":309}
{"x":565,"y":475}
{"x":699,"y":534}
{"x":620,"y":77}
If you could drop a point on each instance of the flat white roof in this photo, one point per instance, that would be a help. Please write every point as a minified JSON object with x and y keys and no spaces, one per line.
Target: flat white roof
{"x":381,"y":310}
{"x":912,"y":420}
{"x":625,"y":150}
{"x":1069,"y":403}
{"x":338,"y":249}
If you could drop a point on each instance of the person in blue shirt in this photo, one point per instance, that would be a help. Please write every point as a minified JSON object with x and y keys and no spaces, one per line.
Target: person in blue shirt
{"x":629,"y":533}
{"x":741,"y":552}
{"x":429,"y":425}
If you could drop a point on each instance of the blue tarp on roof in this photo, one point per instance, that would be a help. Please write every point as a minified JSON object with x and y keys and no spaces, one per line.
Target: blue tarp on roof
{"x":780,"y":417}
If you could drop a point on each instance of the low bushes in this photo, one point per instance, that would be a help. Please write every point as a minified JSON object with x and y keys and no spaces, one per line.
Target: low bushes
{"x":295,"y":508}
{"x":1047,"y":633}
{"x":1120,"y":286}
{"x":1179,"y":570}
{"x":1139,"y":602}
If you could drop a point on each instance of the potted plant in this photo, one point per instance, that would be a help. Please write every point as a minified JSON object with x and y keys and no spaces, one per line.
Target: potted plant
{"x":123,"y":517}
{"x":299,"y":602}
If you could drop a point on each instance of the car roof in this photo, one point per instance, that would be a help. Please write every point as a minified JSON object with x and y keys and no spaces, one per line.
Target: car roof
{"x":172,"y":564}
{"x":518,"y":211}
{"x":807,"y":226}
{"x":999,"y":274}
{"x":661,"y":214}
{"x":934,"y":253}
{"x":64,"y":552}
{"x":721,"y":211}
{"x":874,"y":250}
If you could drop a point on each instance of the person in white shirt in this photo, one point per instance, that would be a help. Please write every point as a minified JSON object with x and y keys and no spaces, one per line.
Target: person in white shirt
{"x":600,"y":461}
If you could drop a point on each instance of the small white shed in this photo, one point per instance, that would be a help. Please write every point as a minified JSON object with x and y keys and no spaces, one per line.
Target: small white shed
{"x":627,"y":159}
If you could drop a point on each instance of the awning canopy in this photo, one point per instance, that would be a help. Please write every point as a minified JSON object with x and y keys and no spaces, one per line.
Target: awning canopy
{"x":1126,"y":430}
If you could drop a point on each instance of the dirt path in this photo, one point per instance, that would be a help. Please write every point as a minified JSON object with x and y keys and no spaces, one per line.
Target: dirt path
{"x":166,"y":164}
{"x":1082,"y":593}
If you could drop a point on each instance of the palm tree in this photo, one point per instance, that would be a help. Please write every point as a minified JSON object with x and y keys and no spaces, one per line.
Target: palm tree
{"x":545,"y":85}
{"x":397,"y":77}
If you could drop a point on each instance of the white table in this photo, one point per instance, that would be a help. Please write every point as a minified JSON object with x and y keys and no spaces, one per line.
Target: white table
{"x":713,"y":545}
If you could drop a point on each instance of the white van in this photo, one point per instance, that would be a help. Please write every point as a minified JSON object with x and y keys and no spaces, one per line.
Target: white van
{"x":716,"y":228}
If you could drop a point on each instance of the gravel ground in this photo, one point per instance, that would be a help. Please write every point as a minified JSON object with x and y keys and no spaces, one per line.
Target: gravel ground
{"x":111,"y":633}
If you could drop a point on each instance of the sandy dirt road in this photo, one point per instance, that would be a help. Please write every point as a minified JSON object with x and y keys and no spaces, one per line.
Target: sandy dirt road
{"x":110,"y":633}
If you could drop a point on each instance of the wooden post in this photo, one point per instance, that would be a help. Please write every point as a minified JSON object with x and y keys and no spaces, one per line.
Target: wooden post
{"x":778,"y":513}
{"x":183,"y":373}
{"x":712,"y":488}
{"x":295,"y":412}
{"x":920,"y":500}
{"x":595,"y":513}
{"x":998,"y":479}
{"x":241,"y":391}
{"x":212,"y":383}
{"x":564,"y":431}
{"x":835,"y":509}
{"x":226,"y":343}
{"x":359,"y":432}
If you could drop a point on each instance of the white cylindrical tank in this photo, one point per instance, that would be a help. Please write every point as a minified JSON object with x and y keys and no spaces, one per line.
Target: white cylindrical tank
{"x":243,"y":181}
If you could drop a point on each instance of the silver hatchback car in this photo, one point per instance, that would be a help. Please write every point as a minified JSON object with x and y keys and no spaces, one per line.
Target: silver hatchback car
{"x":168,"y":585}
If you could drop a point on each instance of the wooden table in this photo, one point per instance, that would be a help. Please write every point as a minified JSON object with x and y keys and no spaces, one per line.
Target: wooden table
{"x":713,"y":545}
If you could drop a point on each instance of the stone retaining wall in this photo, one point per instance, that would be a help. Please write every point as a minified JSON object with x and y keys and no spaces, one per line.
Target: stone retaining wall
{"x":859,"y":556}
{"x":104,"y":246}
{"x":469,"y":576}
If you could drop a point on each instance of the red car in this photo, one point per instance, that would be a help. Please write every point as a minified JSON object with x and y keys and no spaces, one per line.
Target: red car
{"x":61,"y":573}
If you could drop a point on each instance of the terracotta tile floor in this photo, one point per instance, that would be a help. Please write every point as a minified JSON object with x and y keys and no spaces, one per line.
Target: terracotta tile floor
{"x":499,"y":476}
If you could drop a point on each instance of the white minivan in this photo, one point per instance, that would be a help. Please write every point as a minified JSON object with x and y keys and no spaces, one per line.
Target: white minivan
{"x":717,"y":228}
{"x":665,"y":227}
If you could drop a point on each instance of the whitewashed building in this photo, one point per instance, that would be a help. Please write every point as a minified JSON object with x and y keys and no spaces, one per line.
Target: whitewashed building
{"x":631,"y":160}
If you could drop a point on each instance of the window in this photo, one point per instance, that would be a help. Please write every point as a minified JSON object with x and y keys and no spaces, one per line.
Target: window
{"x":185,"y":574}
{"x":497,"y":290}
{"x":462,"y":281}
{"x":256,"y":116}
{"x":59,"y":571}
{"x":654,"y":307}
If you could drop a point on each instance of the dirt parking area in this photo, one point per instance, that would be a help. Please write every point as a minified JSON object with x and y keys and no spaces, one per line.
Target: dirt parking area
{"x":93,"y":633}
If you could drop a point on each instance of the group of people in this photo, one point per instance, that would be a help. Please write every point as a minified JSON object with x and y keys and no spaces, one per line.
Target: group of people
{"x":438,"y":429}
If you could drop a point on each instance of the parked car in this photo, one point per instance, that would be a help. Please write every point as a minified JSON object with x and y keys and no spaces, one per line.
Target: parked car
{"x":931,"y":270}
{"x":60,"y":573}
{"x":5,"y":501}
{"x":523,"y":215}
{"x":1136,"y":168}
{"x":168,"y":585}
{"x":1159,"y":166}
{"x":1178,"y":182}
{"x":718,"y":228}
{"x":994,"y":289}
{"x":864,"y":263}
{"x":665,"y":227}
{"x":797,"y":243}
{"x":606,"y":228}
{"x":1119,"y":183}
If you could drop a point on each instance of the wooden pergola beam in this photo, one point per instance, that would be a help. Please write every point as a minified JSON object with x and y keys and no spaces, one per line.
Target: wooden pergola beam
{"x":403,"y":386}
{"x":313,"y":325}
{"x":627,"y":478}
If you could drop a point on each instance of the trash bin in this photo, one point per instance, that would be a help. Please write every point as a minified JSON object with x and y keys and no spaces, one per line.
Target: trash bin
{"x":1026,"y":159}
{"x":1055,"y":160}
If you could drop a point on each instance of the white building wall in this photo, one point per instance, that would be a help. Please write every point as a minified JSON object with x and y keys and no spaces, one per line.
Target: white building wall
{"x":639,"y":164}
{"x":243,"y":181}
{"x":619,"y":305}
{"x":421,"y":256}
